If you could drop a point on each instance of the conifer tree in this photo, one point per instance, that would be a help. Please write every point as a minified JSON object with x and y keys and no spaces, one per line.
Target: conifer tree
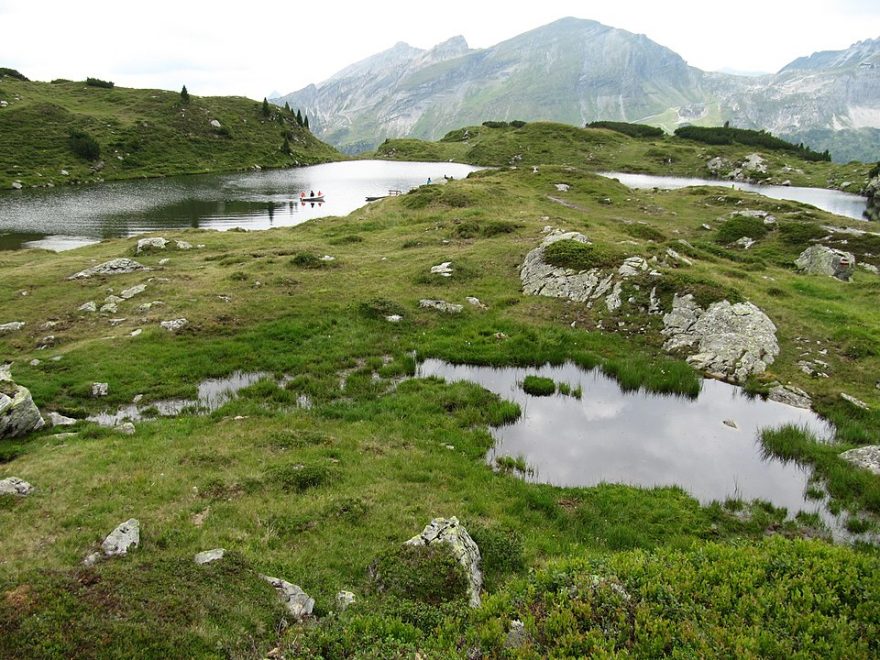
{"x":266,"y":110}
{"x":306,"y":122}
{"x":299,"y":117}
{"x":184,"y":96}
{"x":286,"y":106}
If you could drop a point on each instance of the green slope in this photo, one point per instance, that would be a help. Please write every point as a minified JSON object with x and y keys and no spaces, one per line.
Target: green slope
{"x":141,"y":133}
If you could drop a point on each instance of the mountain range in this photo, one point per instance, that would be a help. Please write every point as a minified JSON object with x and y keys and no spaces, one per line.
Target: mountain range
{"x":576,"y":71}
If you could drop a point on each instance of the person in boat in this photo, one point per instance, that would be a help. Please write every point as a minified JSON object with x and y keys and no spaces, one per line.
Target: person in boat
{"x":429,"y":181}
{"x":311,"y":193}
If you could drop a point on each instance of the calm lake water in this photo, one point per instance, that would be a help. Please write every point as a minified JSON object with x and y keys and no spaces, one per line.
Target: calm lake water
{"x":833,"y":201}
{"x":645,"y":439}
{"x":64,"y":218}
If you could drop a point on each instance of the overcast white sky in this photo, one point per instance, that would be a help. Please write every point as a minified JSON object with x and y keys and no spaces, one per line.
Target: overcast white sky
{"x":251,"y":49}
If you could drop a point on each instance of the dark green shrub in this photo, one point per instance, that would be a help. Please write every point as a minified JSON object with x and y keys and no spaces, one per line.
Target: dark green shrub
{"x":538,"y":386}
{"x":799,"y":234}
{"x":425,"y":573}
{"x":580,"y":256}
{"x":307,"y":260}
{"x":517,"y":123}
{"x":347,"y":239}
{"x":300,"y":478}
{"x":643,"y":231}
{"x":719,"y":135}
{"x":501,"y":552}
{"x":12,"y":73}
{"x":738,"y":226}
{"x":633,"y":130}
{"x":495,"y":124}
{"x":97,"y":82}
{"x":84,"y":145}
{"x":379,"y":308}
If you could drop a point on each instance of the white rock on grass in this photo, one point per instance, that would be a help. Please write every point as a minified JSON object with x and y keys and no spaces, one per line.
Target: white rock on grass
{"x":394,"y":318}
{"x":732,"y":341}
{"x":12,"y":326}
{"x":298,"y":603}
{"x":133,"y":291}
{"x":441,"y":306}
{"x":791,"y":396}
{"x":148,"y":244}
{"x":174,"y":325}
{"x":858,"y":403}
{"x":183,"y":245}
{"x":57,"y":419}
{"x":126,"y":428}
{"x":822,"y":260}
{"x":444,"y":269}
{"x":89,"y":306}
{"x":19,"y":414}
{"x":15,"y":486}
{"x":465,"y":550}
{"x":113,"y":267}
{"x":208,"y":556}
{"x":867,"y":458}
{"x":344,"y":599}
{"x":126,"y":536}
{"x":100,"y":389}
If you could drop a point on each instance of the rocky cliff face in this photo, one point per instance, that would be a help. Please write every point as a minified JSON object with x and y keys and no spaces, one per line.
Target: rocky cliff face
{"x":576,"y":71}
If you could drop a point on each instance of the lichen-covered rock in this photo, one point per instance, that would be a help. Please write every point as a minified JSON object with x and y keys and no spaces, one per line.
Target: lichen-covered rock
{"x":174,"y":325}
{"x":148,"y":244}
{"x":444,"y":269}
{"x":18,"y":412}
{"x":12,"y":326}
{"x":298,"y":603}
{"x":344,"y":599}
{"x":858,"y":403}
{"x":731,"y":341}
{"x":867,"y":457}
{"x":57,"y":419}
{"x":133,"y":291}
{"x":208,"y":556}
{"x":465,"y":550}
{"x":113,"y":267}
{"x":15,"y":486}
{"x":441,"y":306}
{"x":89,"y":306}
{"x":790,"y":396}
{"x":822,"y":260}
{"x":126,"y":536}
{"x":100,"y":389}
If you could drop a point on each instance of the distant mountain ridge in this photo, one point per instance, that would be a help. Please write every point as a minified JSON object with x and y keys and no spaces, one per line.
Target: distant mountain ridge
{"x":576,"y":71}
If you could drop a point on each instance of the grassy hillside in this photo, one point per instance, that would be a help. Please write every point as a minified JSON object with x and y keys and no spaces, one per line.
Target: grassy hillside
{"x":317,"y":493}
{"x":599,"y":150}
{"x":140,"y":133}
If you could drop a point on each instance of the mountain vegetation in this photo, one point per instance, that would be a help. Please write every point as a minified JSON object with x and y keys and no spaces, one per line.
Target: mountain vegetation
{"x":75,"y":132}
{"x":578,"y":71}
{"x":323,"y":467}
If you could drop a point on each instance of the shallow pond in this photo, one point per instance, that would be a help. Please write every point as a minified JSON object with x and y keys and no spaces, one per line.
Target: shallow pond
{"x":833,"y":201}
{"x":645,"y":439}
{"x":64,"y":218}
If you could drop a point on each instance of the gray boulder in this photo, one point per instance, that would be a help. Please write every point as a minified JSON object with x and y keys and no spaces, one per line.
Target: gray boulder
{"x":822,"y":260}
{"x":298,"y":603}
{"x":441,"y":306}
{"x":15,"y":486}
{"x":174,"y":325}
{"x":57,"y":419}
{"x":132,"y":291}
{"x":208,"y":556}
{"x":126,"y":536}
{"x":730,"y":341}
{"x":12,"y":326}
{"x":18,"y":412}
{"x":790,"y":396}
{"x":100,"y":389}
{"x":465,"y":550}
{"x":867,"y":458}
{"x":149,"y":244}
{"x":112,"y":267}
{"x":344,"y":599}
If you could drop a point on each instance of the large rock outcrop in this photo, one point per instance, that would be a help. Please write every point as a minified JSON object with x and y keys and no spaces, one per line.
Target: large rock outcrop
{"x":587,"y":286}
{"x":112,"y":267}
{"x":18,"y":413}
{"x":822,"y":260}
{"x":867,"y":458}
{"x":465,"y":550}
{"x":732,"y":341}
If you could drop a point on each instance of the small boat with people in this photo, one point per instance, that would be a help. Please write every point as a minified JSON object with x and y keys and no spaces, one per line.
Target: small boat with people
{"x":311,"y":197}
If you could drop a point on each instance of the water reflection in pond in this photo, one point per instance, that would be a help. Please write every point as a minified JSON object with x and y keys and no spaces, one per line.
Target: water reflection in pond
{"x":833,"y":201}
{"x":645,"y":439}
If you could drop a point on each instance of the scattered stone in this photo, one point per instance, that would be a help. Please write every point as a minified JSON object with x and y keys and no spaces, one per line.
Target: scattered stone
{"x":517,"y":636}
{"x":730,"y":423}
{"x":183,"y":245}
{"x":100,"y":389}
{"x":34,"y":363}
{"x":137,"y":332}
{"x":675,"y":255}
{"x":822,"y":260}
{"x":475,"y":302}
{"x":717,"y":164}
{"x":11,"y":327}
{"x":344,"y":599}
{"x":122,"y":539}
{"x":163,"y":261}
{"x":174,"y":325}
{"x":297,"y":601}
{"x":216,"y":124}
{"x":734,"y":341}
{"x":394,"y":318}
{"x":57,"y":419}
{"x":88,"y":307}
{"x":444,"y":269}
{"x":706,"y":227}
{"x":790,"y":396}
{"x":654,"y":302}
{"x":198,"y":519}
{"x":19,"y":414}
{"x":65,"y":173}
{"x":208,"y":556}
{"x":137,"y":398}
{"x":133,"y":291}
{"x":16,"y":185}
{"x":149,"y":244}
{"x":854,"y":401}
{"x":112,"y":267}
{"x":146,"y":307}
{"x":745,"y":242}
{"x":119,"y":321}
{"x":867,"y":457}
{"x":443,"y":530}
{"x":441,"y":305}
{"x":109,"y":308}
{"x":126,"y":428}
{"x":632,"y":266}
{"x":563,"y":187}
{"x":327,"y":257}
{"x":15,"y":486}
